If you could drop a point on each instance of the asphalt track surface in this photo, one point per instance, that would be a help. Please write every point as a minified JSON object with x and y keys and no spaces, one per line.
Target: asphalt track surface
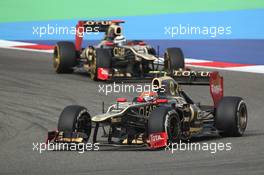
{"x":32,"y":97}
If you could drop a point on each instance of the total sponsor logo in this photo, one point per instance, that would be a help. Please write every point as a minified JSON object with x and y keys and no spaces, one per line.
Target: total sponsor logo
{"x":155,"y":137}
{"x":158,"y":140}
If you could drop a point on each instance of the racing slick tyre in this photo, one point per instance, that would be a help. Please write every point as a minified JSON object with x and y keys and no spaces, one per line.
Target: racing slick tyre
{"x":173,"y":60}
{"x":102,"y":60}
{"x":231,"y":116}
{"x":75,"y":118}
{"x":64,"y":57}
{"x":165,"y":119}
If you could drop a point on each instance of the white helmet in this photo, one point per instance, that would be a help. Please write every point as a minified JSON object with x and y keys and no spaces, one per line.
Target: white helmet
{"x":120,"y":40}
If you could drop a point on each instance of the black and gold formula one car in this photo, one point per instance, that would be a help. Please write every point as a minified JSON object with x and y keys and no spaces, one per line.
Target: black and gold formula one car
{"x":114,"y":56}
{"x":157,"y":118}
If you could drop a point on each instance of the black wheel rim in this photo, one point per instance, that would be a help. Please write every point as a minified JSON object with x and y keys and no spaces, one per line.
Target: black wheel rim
{"x":242,"y":118}
{"x":56,"y":58}
{"x":173,"y":128}
{"x":83,"y":125}
{"x":93,"y":69}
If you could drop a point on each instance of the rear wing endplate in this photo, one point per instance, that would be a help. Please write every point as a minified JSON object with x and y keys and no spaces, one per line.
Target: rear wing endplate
{"x":213,"y":79}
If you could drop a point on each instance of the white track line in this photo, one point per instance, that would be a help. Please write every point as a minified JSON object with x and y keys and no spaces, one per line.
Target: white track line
{"x":4,"y":43}
{"x":14,"y":44}
{"x":31,"y":50}
{"x":188,"y":61}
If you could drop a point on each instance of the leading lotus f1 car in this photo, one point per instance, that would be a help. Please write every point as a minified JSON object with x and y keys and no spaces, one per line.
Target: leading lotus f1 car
{"x":114,"y":56}
{"x":157,"y":118}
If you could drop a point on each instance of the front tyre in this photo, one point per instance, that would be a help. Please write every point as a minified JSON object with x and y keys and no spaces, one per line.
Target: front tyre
{"x":102,"y":59}
{"x":75,"y":118}
{"x":231,"y":116}
{"x":64,"y":57}
{"x":165,"y":119}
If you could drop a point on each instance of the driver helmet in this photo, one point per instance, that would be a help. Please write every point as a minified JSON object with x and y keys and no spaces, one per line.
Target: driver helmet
{"x":120,"y":40}
{"x":149,"y":96}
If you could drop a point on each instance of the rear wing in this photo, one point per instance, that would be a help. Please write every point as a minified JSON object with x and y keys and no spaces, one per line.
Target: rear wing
{"x":182,"y":77}
{"x":213,"y":79}
{"x":191,"y":77}
{"x":92,"y":26}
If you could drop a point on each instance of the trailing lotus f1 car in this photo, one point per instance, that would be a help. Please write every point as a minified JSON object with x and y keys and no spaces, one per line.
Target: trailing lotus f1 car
{"x":157,"y":118}
{"x":114,"y":56}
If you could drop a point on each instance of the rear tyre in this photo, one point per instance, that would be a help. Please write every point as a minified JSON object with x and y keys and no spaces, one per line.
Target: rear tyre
{"x":173,"y":60}
{"x":165,"y":119}
{"x":102,"y":59}
{"x":64,"y":57}
{"x":231,"y":117}
{"x":75,"y":118}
